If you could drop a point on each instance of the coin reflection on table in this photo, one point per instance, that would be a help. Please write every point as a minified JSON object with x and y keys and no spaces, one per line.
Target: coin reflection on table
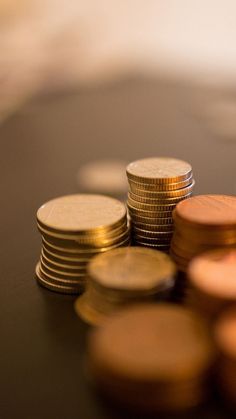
{"x":152,"y":357}
{"x":75,"y":228}
{"x":225,"y":337}
{"x":122,"y":277}
{"x":212,"y":277}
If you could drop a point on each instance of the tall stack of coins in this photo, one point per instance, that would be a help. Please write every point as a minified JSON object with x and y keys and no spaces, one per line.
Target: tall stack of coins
{"x":212,"y":277}
{"x":156,"y":186}
{"x":225,"y":337}
{"x":201,"y":223}
{"x":124,"y":276}
{"x":75,"y":228}
{"x":152,"y":357}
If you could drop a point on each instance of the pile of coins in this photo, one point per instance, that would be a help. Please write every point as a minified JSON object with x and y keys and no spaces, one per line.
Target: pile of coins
{"x":156,"y":186}
{"x":152,"y":357}
{"x":124,"y":276}
{"x":212,"y":277}
{"x":225,"y":338}
{"x":75,"y":228}
{"x":202,"y":223}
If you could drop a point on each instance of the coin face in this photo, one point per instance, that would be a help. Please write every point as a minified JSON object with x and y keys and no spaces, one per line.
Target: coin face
{"x":151,"y":342}
{"x":131,"y":268}
{"x":212,"y":210}
{"x":214,"y":273}
{"x":159,"y":170}
{"x":225,"y":332}
{"x":82,"y":212}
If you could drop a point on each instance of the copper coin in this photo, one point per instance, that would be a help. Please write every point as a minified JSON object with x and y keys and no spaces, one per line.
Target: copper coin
{"x":225,"y":332}
{"x":214,"y":273}
{"x":209,"y":210}
{"x":151,"y":344}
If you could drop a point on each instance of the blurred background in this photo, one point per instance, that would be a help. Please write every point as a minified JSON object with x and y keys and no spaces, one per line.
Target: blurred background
{"x":123,"y":80}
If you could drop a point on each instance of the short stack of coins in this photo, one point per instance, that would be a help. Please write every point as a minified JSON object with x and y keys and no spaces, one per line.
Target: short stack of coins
{"x":202,"y":223}
{"x":156,"y":186}
{"x":225,"y":339}
{"x":122,"y":277}
{"x":75,"y":228}
{"x":212,"y":280}
{"x":152,"y":357}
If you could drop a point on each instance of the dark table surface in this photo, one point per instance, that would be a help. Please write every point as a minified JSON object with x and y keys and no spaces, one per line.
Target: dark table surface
{"x":43,"y":343}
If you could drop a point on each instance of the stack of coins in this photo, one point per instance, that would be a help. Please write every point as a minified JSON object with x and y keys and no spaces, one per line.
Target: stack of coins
{"x":152,"y":357}
{"x":225,"y":337}
{"x":124,"y":276}
{"x":75,"y":228}
{"x":212,"y":277}
{"x":201,"y":223}
{"x":156,"y":186}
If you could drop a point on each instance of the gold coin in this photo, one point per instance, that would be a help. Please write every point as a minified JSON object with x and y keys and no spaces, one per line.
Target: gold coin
{"x":57,"y":262}
{"x":82,"y":213}
{"x":154,"y":234}
{"x":159,"y":170}
{"x":95,"y":243}
{"x":158,"y":201}
{"x":57,"y":277}
{"x":62,"y":268}
{"x":65,"y":257}
{"x":134,"y":212}
{"x":64,"y":289}
{"x":131,"y":269}
{"x":165,"y":187}
{"x":152,"y":227}
{"x":60,"y":264}
{"x":87,"y":312}
{"x":168,"y":221}
{"x":147,"y":207}
{"x":81,"y":237}
{"x":156,"y":194}
{"x":84,"y":251}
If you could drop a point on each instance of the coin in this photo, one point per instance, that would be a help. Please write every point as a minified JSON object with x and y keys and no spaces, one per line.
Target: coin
{"x":156,"y":194}
{"x":131,"y":372}
{"x":152,"y":227}
{"x":138,"y":212}
{"x":158,"y":201}
{"x":62,"y":266}
{"x":164,"y":187}
{"x":207,"y":274}
{"x":82,"y":213}
{"x":149,"y":207}
{"x":152,"y":221}
{"x":89,"y":243}
{"x":210,"y":210}
{"x":131,"y":268}
{"x":64,"y":289}
{"x":82,"y":251}
{"x":61,"y":271}
{"x":159,"y":170}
